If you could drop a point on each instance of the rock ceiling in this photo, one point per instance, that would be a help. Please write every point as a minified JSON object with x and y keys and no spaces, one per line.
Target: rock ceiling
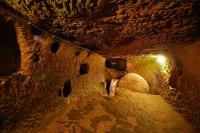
{"x":113,"y":27}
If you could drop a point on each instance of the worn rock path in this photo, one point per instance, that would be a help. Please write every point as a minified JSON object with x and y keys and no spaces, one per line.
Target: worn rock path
{"x":127,"y":112}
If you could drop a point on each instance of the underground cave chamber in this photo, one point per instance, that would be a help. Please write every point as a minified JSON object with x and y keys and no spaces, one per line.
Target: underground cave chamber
{"x":99,"y":66}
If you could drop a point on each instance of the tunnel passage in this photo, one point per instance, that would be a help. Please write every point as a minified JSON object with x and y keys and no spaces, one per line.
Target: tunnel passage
{"x":10,"y":56}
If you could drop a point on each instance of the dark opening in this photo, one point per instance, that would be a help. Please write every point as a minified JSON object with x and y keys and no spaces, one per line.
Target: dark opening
{"x":108,"y":86}
{"x":195,"y":32}
{"x":1,"y":122}
{"x":78,"y":52}
{"x":108,"y":64}
{"x":67,"y":89}
{"x":35,"y":31}
{"x":116,"y":63}
{"x":55,"y":46}
{"x":10,"y":56}
{"x":84,"y":69}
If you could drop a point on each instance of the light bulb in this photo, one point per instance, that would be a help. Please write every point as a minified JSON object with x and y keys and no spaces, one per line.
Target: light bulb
{"x":161,"y":59}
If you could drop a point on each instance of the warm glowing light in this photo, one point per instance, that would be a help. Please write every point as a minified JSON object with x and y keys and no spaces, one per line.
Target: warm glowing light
{"x":161,"y":59}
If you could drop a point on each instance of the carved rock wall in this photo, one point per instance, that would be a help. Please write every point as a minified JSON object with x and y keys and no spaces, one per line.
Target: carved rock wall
{"x":49,"y":68}
{"x":109,"y":23}
{"x":186,"y":96}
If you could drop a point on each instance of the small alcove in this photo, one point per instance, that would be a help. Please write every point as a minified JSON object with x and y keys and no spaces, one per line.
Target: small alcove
{"x":67,"y":88}
{"x":55,"y":46}
{"x":84,"y":68}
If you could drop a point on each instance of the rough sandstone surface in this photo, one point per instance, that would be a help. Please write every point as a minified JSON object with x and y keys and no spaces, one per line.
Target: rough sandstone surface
{"x":186,"y":96}
{"x":44,"y":70}
{"x":126,"y":112}
{"x":124,"y":29}
{"x":107,"y":26}
{"x":156,"y":74}
{"x":134,"y":82}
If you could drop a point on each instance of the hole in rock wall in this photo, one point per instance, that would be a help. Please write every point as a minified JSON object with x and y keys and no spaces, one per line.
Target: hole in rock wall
{"x":55,"y":46}
{"x":67,"y":89}
{"x":84,"y":69}
{"x":116,"y":63}
{"x":10,"y":56}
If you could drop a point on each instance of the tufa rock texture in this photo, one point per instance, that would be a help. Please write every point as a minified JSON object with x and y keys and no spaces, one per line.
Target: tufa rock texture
{"x":107,"y":26}
{"x":185,"y":97}
{"x":48,"y":68}
{"x":41,"y":68}
{"x":157,"y":75}
{"x":133,"y":82}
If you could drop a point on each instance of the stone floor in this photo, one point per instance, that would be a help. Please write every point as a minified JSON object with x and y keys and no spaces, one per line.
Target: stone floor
{"x":127,"y":112}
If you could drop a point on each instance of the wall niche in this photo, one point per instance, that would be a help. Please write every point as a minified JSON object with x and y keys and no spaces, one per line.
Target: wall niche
{"x":67,"y":89}
{"x":55,"y":46}
{"x":118,"y":64}
{"x":84,"y":68}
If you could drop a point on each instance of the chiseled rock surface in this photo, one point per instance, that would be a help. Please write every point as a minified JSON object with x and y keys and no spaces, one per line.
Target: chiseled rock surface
{"x":133,"y":82}
{"x":186,"y":96}
{"x":100,"y":24}
{"x":126,"y":112}
{"x":46,"y":65}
